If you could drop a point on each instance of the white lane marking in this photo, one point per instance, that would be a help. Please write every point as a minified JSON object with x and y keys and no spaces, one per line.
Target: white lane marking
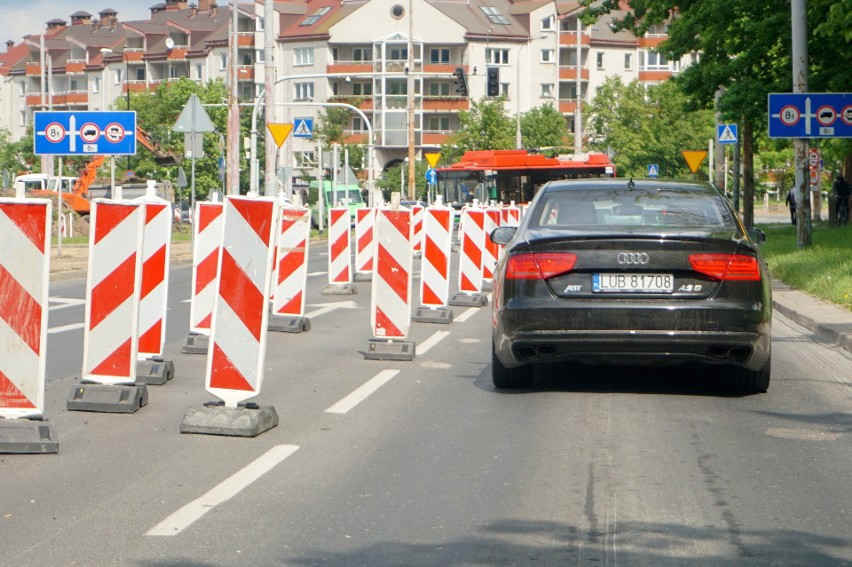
{"x":362,"y":393}
{"x":424,"y":347}
{"x":329,"y":307}
{"x":312,"y":274}
{"x":469,"y":312}
{"x":223,"y":492}
{"x":64,"y":302}
{"x":63,"y":328}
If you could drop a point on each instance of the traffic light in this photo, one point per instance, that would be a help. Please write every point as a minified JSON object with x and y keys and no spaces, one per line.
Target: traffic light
{"x":493,"y":83}
{"x":461,"y":81}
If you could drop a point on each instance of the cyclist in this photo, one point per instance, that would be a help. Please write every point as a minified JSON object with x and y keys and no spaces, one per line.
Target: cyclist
{"x":841,"y":191}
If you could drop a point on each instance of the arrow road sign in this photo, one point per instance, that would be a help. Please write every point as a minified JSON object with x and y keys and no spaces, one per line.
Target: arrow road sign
{"x":65,"y":133}
{"x":810,"y":115}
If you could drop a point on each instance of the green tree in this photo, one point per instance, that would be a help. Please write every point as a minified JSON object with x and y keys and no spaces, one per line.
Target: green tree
{"x":393,"y":178}
{"x":486,"y":126}
{"x":544,"y":126}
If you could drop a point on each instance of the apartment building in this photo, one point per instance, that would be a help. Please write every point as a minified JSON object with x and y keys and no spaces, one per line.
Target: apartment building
{"x":366,"y":53}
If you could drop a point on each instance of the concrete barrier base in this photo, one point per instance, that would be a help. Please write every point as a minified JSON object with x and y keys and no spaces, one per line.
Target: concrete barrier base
{"x":245,"y":420}
{"x":27,"y":436}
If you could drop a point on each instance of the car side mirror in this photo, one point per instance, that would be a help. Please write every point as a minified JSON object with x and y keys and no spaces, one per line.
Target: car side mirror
{"x":756,"y":235}
{"x":503,"y":234}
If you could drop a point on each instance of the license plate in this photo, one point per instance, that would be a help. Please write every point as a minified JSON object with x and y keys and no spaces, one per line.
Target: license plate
{"x":632,"y":283}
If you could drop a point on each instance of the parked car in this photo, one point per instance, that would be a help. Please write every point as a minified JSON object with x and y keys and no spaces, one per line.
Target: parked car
{"x":650,"y":272}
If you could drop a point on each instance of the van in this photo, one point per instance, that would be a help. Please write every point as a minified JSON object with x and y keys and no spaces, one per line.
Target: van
{"x":339,"y":195}
{"x":43,"y":182}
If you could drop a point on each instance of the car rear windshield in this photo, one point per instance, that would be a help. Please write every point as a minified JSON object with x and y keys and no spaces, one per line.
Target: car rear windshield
{"x":633,"y":207}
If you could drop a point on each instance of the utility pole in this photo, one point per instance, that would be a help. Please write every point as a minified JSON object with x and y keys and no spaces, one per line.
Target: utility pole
{"x":410,"y":88}
{"x":233,"y":109}
{"x":798,"y":9}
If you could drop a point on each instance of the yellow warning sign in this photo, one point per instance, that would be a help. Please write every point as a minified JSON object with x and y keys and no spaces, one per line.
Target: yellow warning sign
{"x":279,"y":132}
{"x":432,"y":159}
{"x":694,"y":158}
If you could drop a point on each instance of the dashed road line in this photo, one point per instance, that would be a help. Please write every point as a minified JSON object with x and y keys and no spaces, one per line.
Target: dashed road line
{"x":362,"y":393}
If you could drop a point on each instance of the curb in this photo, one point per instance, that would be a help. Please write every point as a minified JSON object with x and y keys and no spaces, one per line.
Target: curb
{"x":830,"y":323}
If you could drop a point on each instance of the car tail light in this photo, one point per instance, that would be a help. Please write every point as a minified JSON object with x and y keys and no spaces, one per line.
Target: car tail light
{"x":539,"y":266}
{"x":726,"y":266}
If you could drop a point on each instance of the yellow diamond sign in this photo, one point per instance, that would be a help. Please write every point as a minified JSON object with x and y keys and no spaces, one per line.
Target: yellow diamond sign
{"x":279,"y":132}
{"x":694,"y":158}
{"x":432,"y":159}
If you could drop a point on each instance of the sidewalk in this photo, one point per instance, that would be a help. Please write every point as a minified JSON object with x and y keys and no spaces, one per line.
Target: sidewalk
{"x":830,"y":323}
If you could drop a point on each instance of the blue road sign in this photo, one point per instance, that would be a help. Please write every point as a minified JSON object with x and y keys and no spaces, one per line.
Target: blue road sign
{"x":810,"y":115}
{"x":431,"y":176}
{"x":653,"y":170}
{"x":726,"y":133}
{"x":65,"y":133}
{"x":303,"y":128}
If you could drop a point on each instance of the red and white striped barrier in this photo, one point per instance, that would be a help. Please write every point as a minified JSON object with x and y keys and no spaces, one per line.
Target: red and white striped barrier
{"x":207,"y":242}
{"x":113,"y":286}
{"x":240,"y":315}
{"x":339,"y":244}
{"x":365,"y":247}
{"x":490,"y":251}
{"x":390,"y":312}
{"x":291,"y":263}
{"x":471,"y":251}
{"x":24,"y":275}
{"x":417,"y":215}
{"x":153,"y":301}
{"x":510,"y":215}
{"x":437,"y":246}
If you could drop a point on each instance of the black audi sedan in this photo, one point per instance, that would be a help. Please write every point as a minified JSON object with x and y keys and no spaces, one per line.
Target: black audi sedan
{"x":644,"y":272}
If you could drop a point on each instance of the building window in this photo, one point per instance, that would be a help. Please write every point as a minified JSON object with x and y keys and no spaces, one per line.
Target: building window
{"x":439,"y":89}
{"x":653,"y":60}
{"x":116,"y":76}
{"x":504,"y":90}
{"x":199,"y":71}
{"x":495,"y":16}
{"x":600,"y":59}
{"x":547,"y":90}
{"x":22,"y":88}
{"x":304,"y":91}
{"x":547,"y":56}
{"x":398,"y":54}
{"x":96,"y":84}
{"x":441,"y":55}
{"x":260,"y":56}
{"x":628,"y":61}
{"x":303,"y":56}
{"x":314,"y":18}
{"x":362,"y":89}
{"x":362,"y":54}
{"x":173,"y":72}
{"x":72,"y":85}
{"x":223,"y":61}
{"x":497,"y":56}
{"x":439,"y":123}
{"x":22,"y":118}
{"x":547,"y":23}
{"x":358,"y":124}
{"x":305,"y":159}
{"x":259,"y":24}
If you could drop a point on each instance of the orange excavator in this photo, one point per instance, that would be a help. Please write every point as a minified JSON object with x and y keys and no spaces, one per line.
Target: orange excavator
{"x":161,"y":157}
{"x":78,"y":197}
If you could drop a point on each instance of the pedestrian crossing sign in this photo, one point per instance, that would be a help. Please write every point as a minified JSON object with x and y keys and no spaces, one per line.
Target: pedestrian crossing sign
{"x":653,"y":170}
{"x":303,"y":128}
{"x":726,"y":133}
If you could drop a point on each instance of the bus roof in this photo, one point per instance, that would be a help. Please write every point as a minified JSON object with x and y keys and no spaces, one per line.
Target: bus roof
{"x":521,"y":159}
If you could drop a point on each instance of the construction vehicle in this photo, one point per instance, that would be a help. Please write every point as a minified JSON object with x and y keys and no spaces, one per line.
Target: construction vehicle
{"x":75,"y":190}
{"x":161,"y":157}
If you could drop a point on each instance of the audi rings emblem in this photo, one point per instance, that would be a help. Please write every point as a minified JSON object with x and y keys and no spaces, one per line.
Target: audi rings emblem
{"x":634,"y":258}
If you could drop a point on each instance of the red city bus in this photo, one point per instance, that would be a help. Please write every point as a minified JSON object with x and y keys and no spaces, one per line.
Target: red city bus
{"x":511,"y":175}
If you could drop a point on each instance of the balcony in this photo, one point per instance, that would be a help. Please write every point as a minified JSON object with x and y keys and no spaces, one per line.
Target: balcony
{"x":435,"y":138}
{"x":33,"y":69}
{"x":245,"y":39}
{"x":570,"y":74}
{"x":568,"y":106}
{"x":75,"y":67}
{"x":649,"y":42}
{"x":245,"y":73}
{"x":569,"y":39}
{"x":360,"y":102}
{"x":445,"y":103}
{"x":443,"y":68}
{"x":134,"y":55}
{"x":655,"y":75}
{"x":177,"y":54}
{"x":351,"y":67}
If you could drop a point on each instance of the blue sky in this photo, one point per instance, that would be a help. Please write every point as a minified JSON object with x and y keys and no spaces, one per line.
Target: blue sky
{"x":21,"y":17}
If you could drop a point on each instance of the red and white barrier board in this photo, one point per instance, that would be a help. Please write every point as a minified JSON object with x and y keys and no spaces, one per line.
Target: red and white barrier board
{"x":153,"y":302}
{"x":437,"y":247}
{"x":339,"y":245}
{"x":207,"y":239}
{"x":113,"y":286}
{"x":390,"y":314}
{"x":240,"y":315}
{"x":24,"y":275}
{"x":510,"y":215}
{"x":364,"y":243}
{"x":471,"y":250}
{"x":292,"y":262}
{"x":417,"y":228}
{"x":490,"y":251}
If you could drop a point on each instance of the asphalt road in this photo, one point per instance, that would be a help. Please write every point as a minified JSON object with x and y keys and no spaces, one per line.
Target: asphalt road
{"x":423,"y":463}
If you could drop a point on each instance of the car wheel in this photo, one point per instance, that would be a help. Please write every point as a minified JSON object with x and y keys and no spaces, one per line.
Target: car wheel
{"x":751,"y":381}
{"x":520,"y":377}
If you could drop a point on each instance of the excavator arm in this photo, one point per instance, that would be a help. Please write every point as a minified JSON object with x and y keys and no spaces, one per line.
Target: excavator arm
{"x":162,"y":158}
